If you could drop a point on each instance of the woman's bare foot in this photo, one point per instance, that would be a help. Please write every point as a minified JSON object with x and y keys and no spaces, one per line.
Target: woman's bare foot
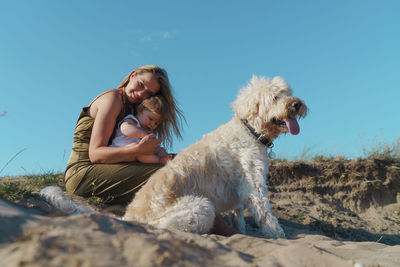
{"x":166,"y":159}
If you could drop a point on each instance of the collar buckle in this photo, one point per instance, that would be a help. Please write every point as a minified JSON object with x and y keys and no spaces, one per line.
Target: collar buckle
{"x":259,"y":137}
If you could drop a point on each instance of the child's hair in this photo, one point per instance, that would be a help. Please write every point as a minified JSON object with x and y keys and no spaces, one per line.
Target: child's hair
{"x":158,"y":105}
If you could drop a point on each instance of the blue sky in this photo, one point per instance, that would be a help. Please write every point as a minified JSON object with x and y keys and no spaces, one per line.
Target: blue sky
{"x":341,"y":57}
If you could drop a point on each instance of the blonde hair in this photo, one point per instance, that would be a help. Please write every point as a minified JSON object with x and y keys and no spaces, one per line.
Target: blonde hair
{"x":156,"y":104}
{"x":174,"y":116}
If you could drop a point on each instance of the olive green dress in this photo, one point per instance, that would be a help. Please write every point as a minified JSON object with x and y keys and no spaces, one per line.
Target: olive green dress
{"x":113,"y":183}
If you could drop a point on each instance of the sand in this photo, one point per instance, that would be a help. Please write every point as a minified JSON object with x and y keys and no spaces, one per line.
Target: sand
{"x":334,"y":213}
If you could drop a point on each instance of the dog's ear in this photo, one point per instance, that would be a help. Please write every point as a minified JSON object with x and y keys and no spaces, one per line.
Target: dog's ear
{"x":254,"y":79}
{"x":279,"y":82}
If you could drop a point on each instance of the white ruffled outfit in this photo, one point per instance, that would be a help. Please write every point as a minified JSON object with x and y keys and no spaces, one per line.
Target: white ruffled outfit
{"x":122,"y":140}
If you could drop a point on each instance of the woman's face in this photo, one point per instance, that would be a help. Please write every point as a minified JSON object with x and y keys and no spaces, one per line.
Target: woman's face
{"x":141,"y":86}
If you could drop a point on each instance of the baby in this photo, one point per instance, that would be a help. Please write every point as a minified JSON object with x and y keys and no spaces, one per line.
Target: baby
{"x":150,"y":114}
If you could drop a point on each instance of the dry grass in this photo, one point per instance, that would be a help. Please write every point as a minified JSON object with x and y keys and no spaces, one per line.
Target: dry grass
{"x":15,"y":189}
{"x":380,"y":150}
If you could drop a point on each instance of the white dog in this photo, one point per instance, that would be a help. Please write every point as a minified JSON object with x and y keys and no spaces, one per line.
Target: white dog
{"x":226,"y":170}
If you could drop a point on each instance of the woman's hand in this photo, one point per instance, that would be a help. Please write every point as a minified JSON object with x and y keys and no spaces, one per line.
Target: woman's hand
{"x":149,"y":143}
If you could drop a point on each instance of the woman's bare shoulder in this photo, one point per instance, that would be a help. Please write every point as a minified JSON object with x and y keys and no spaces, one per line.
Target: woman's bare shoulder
{"x":108,"y":100}
{"x":109,"y":95}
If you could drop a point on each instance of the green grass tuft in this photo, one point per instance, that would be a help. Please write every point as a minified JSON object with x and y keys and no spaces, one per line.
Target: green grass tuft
{"x":15,"y":189}
{"x":300,"y":216}
{"x":328,"y":158}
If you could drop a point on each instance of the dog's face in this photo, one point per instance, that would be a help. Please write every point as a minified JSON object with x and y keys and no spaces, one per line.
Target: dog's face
{"x":269,"y":107}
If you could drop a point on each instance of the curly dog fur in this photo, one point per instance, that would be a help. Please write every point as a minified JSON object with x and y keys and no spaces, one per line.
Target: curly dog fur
{"x":226,"y":170}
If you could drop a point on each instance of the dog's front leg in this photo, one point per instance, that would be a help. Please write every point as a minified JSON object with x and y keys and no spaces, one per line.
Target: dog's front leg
{"x":238,"y":219}
{"x":268,"y":223}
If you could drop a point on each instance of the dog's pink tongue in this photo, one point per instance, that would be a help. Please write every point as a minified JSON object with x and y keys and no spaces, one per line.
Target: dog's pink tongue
{"x":292,"y":125}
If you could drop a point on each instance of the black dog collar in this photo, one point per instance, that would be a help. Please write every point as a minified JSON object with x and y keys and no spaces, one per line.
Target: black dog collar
{"x":260,"y":137}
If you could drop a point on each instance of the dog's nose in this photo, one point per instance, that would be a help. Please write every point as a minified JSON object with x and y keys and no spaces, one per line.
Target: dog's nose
{"x":297,"y":105}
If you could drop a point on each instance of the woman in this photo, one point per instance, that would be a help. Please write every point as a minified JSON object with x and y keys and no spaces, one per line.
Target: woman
{"x":111,"y":173}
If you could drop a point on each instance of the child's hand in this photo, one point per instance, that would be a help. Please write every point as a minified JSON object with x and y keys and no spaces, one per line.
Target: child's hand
{"x":150,"y":136}
{"x":147,"y":131}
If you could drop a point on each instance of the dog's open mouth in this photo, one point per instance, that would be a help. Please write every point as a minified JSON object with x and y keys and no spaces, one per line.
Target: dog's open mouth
{"x":289,"y":123}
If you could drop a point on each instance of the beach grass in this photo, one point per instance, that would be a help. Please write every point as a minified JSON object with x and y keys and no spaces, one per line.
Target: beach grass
{"x":18,"y":188}
{"x":381,"y":150}
{"x":15,"y":189}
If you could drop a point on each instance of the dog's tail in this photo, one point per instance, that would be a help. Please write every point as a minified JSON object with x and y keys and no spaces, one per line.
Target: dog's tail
{"x":193,"y":214}
{"x":55,"y":196}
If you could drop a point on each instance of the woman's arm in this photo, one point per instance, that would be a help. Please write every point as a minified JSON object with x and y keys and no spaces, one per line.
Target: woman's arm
{"x":105,"y":111}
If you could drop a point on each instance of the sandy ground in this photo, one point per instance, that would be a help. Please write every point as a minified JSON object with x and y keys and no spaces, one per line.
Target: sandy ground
{"x":334,"y":213}
{"x":356,"y":200}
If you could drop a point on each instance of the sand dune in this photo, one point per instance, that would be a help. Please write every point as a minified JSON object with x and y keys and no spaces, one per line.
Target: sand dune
{"x":343,"y":213}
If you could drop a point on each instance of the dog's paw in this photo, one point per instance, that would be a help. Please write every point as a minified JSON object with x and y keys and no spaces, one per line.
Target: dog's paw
{"x":272,"y":231}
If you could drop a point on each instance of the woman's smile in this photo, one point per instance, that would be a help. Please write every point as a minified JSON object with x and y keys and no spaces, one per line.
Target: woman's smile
{"x":141,"y":86}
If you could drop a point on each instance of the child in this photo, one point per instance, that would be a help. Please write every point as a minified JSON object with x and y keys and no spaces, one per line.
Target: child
{"x":150,"y":114}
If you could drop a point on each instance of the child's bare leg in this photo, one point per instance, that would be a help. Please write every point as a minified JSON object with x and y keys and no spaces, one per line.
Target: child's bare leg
{"x":149,"y":159}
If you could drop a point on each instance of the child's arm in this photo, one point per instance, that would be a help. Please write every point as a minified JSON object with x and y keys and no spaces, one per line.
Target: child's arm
{"x":129,"y":128}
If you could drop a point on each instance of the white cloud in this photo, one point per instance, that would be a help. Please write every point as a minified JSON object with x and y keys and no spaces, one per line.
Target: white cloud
{"x":146,"y":38}
{"x":152,"y":37}
{"x":167,"y":35}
